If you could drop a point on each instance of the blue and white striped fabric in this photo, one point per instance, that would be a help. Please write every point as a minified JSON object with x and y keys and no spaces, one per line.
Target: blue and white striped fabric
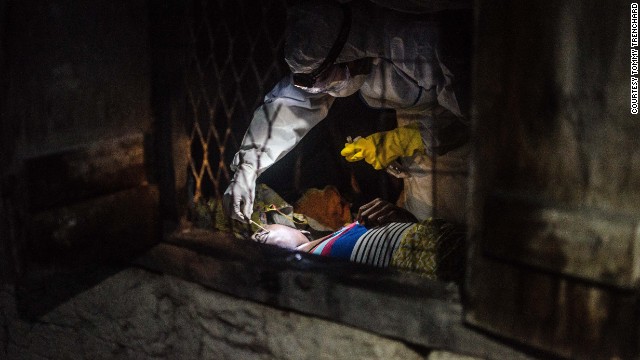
{"x":366,"y":246}
{"x":376,"y":246}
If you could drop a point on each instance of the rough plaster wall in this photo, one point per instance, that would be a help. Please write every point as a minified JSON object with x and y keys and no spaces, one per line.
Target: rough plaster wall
{"x":77,"y":72}
{"x":136,"y":314}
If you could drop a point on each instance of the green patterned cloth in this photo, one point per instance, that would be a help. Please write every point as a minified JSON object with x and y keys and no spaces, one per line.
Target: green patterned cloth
{"x":270,"y":208}
{"x":432,"y":248}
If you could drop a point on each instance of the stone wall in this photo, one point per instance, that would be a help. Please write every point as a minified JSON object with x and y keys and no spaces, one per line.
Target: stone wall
{"x":136,"y":314}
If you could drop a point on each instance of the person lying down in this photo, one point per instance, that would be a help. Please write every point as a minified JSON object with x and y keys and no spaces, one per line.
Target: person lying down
{"x":432,"y":248}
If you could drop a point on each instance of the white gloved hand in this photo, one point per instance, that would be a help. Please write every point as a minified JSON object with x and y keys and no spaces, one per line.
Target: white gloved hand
{"x":239,"y":196}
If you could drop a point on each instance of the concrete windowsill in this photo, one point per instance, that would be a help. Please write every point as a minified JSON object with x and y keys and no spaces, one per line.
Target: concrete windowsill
{"x":398,"y":305}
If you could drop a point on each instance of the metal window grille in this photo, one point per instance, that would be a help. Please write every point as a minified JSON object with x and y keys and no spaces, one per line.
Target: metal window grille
{"x":234,"y":58}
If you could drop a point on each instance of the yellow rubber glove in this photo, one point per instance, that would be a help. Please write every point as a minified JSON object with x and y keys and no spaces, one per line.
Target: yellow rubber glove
{"x":382,"y":148}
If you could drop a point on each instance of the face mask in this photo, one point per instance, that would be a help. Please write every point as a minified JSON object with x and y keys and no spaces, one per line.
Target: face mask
{"x":354,"y":84}
{"x":334,"y":79}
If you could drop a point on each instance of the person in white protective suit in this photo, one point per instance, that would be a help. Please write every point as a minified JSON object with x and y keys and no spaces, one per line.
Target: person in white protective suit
{"x":395,"y":60}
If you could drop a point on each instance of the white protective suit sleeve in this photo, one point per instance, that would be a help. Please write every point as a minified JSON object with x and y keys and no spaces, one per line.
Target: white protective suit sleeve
{"x":286,"y":116}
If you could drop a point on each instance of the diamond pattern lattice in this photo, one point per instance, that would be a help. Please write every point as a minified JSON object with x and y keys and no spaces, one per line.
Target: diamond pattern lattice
{"x":234,"y":58}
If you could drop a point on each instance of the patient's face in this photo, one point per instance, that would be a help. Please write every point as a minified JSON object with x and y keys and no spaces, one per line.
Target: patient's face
{"x":280,"y":235}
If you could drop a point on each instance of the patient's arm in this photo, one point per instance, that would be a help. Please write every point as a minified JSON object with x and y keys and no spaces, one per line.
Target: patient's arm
{"x":286,"y":237}
{"x":379,"y":212}
{"x":280,"y":235}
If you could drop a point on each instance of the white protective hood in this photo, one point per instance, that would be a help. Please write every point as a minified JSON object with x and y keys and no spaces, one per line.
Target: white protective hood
{"x":410,"y":41}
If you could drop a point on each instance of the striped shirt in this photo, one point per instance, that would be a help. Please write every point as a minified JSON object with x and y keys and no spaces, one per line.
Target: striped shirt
{"x":356,"y":243}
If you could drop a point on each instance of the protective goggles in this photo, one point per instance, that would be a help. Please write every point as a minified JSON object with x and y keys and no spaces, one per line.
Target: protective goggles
{"x":308,"y":81}
{"x":333,"y":79}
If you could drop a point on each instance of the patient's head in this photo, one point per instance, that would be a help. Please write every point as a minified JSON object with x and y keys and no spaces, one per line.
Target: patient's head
{"x":280,"y":235}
